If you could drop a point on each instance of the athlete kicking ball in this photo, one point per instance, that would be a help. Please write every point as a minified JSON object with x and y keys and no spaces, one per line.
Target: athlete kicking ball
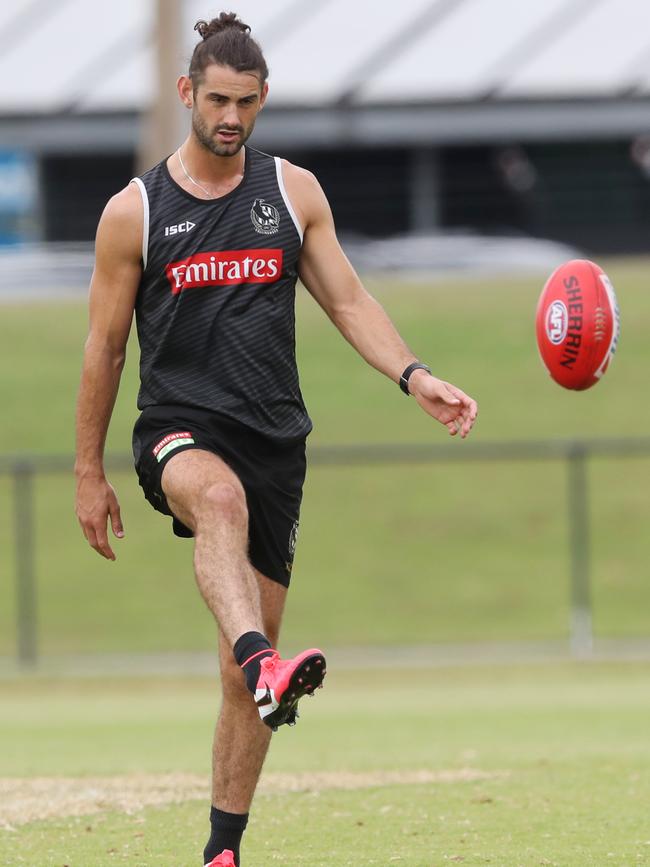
{"x":206,"y":248}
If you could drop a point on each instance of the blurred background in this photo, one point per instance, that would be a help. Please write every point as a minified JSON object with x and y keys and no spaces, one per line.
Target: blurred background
{"x":467,"y":147}
{"x":542,"y":131}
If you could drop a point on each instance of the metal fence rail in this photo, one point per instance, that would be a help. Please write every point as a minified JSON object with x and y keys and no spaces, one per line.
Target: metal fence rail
{"x":575,"y":453}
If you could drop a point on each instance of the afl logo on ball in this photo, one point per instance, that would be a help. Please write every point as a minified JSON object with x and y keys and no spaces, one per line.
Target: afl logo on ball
{"x":265,"y":217}
{"x":557,"y":321}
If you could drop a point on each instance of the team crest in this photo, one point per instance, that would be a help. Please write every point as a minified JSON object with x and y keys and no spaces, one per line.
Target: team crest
{"x":265,"y":217}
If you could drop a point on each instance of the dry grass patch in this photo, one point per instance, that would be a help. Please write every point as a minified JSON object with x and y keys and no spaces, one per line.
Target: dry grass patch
{"x":24,"y":800}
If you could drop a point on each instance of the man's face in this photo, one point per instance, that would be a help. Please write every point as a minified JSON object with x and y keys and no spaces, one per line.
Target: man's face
{"x":225,"y":107}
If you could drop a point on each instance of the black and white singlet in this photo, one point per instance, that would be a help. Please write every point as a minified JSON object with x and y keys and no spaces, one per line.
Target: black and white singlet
{"x":215,"y":306}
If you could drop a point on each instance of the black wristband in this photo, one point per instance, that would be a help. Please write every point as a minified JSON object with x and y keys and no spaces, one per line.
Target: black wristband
{"x":404,"y":378}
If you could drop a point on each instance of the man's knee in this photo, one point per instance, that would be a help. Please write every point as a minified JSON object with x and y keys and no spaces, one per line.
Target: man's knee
{"x":223,"y":501}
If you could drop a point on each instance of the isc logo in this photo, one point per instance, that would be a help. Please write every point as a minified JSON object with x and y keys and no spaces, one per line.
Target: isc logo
{"x":181,"y":227}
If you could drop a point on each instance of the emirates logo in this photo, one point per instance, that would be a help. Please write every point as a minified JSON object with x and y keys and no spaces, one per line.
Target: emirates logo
{"x":224,"y":268}
{"x":265,"y":217}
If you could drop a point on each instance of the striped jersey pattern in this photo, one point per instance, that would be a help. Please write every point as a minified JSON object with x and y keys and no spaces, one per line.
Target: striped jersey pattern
{"x":215,"y":309}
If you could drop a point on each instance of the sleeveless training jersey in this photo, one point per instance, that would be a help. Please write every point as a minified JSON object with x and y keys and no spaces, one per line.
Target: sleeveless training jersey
{"x":215,"y":305}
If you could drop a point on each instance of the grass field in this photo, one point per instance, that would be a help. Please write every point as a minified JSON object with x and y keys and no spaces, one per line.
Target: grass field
{"x":508,"y":766}
{"x":479,"y":551}
{"x":513,"y":766}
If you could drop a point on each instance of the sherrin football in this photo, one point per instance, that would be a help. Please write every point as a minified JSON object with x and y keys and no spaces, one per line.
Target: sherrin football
{"x":577,"y":324}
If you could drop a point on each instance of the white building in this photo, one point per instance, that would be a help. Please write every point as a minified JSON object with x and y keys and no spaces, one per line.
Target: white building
{"x":530,"y":117}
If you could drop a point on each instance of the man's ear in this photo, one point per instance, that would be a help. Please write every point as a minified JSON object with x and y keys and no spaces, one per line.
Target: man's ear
{"x":185,"y":90}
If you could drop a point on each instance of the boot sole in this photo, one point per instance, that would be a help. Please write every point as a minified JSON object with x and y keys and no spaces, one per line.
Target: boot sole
{"x":306,"y":679}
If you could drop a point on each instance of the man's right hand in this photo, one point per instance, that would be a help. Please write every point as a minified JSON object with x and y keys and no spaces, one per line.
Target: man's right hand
{"x":96,"y":503}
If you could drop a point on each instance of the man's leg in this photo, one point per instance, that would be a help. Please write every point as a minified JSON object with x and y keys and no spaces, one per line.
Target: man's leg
{"x":205,"y":494}
{"x":241,"y":738}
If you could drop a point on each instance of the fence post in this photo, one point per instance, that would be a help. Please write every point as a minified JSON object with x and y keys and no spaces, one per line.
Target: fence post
{"x":582,"y":641}
{"x":23,"y":477}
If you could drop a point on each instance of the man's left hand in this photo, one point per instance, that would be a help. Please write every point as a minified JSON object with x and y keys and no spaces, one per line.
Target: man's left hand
{"x":446,"y":403}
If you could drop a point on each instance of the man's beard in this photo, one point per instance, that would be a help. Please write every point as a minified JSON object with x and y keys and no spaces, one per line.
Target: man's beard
{"x":208,"y":141}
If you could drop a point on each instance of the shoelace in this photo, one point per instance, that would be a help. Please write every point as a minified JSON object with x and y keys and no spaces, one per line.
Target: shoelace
{"x":268,"y":663}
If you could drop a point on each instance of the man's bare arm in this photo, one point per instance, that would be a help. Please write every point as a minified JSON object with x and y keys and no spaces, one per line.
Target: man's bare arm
{"x":113,"y":290}
{"x":331,"y":279}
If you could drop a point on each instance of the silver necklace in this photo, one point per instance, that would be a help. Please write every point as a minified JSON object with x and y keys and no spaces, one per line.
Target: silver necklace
{"x":190,"y":178}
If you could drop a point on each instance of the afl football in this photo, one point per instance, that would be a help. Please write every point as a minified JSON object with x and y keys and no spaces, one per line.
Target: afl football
{"x":577,"y":324}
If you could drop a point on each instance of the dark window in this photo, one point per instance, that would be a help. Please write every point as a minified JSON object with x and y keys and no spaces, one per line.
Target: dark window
{"x":76,"y":189}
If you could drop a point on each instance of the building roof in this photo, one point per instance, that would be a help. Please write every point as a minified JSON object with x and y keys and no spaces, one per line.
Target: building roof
{"x":328,"y":57}
{"x":98,"y":56}
{"x":73,"y":55}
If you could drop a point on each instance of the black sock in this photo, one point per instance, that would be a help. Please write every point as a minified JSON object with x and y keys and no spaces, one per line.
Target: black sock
{"x":249,"y":650}
{"x":227,"y":830}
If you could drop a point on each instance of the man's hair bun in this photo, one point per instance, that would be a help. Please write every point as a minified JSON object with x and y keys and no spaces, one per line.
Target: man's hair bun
{"x":225,"y":21}
{"x":226,"y":41}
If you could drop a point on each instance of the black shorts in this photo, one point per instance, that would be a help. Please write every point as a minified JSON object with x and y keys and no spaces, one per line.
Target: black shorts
{"x":272,"y":474}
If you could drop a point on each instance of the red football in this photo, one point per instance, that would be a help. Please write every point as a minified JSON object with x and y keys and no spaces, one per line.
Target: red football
{"x":577,"y":324}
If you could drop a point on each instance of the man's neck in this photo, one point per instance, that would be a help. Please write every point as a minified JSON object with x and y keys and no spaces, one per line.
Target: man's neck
{"x":209,"y":168}
{"x":206,"y":175}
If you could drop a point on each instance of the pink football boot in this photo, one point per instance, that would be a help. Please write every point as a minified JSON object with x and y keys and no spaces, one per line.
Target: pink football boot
{"x":283,"y":682}
{"x":226,"y":859}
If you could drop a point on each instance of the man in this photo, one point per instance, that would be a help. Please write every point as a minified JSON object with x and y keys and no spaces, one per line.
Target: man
{"x":206,"y":247}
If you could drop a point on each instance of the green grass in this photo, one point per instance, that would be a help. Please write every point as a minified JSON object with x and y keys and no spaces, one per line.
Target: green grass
{"x":570,"y":740}
{"x":386,"y":554}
